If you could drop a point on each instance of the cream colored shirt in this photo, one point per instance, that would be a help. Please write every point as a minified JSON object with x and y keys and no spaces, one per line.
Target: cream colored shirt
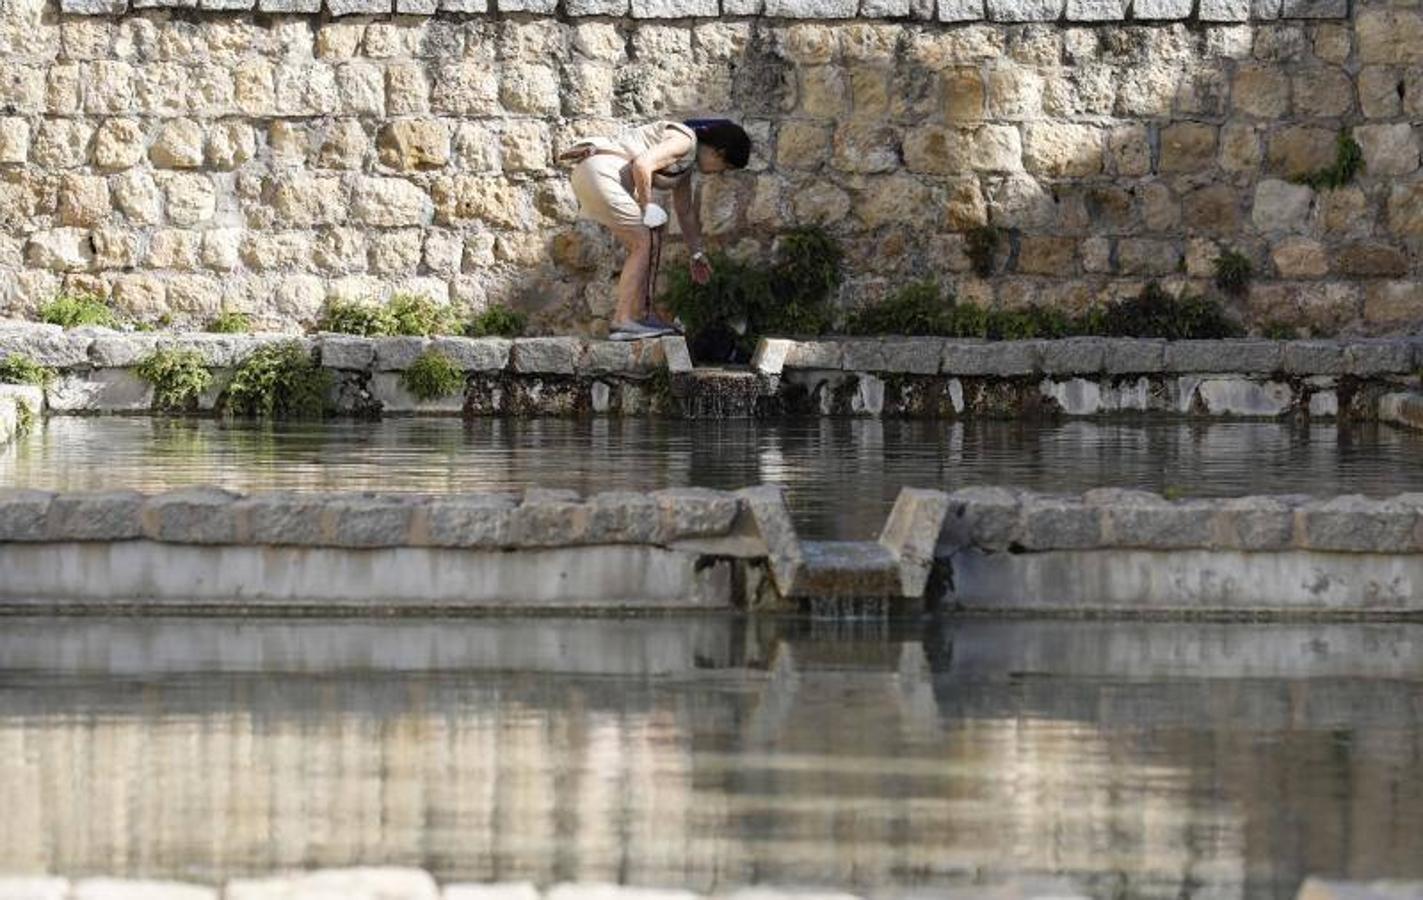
{"x":636,"y":141}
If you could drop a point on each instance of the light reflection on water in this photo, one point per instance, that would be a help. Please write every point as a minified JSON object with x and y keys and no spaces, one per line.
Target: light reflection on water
{"x":1143,"y":759}
{"x":842,"y":475}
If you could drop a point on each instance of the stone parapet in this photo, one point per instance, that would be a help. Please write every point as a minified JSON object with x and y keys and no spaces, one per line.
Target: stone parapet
{"x":955,"y":11}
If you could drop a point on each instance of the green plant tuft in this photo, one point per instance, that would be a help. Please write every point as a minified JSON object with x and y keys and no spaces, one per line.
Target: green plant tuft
{"x":178,"y":378}
{"x":1279,"y":331}
{"x":231,"y":322}
{"x":1156,"y":314}
{"x":982,"y":249}
{"x":1348,"y":163}
{"x":20,"y":369}
{"x":1233,"y":270}
{"x":432,"y":376}
{"x":24,"y":419}
{"x":279,"y":381}
{"x":355,"y":317}
{"x":497,"y":321}
{"x":74,"y":310}
{"x":743,"y":301}
{"x":420,"y":316}
{"x":916,"y":309}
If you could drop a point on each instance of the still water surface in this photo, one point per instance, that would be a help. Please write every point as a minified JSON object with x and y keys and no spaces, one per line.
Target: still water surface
{"x":1138,"y":759}
{"x":841,"y":475}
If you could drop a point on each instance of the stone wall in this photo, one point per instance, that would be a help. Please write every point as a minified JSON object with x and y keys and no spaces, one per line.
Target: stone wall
{"x":183,"y":156}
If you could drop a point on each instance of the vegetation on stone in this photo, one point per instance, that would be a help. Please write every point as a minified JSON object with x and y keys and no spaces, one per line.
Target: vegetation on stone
{"x":417,"y":315}
{"x":1348,"y":163}
{"x":74,"y":310}
{"x":230,"y":322}
{"x":1233,"y":270}
{"x":18,"y":368}
{"x":432,"y":376}
{"x":744,"y":301}
{"x":355,"y":317}
{"x":179,"y":378}
{"x":279,"y":381}
{"x":496,"y":321}
{"x":923,"y":309}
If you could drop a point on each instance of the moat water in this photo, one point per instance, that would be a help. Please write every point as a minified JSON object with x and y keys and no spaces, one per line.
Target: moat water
{"x":1135,"y":759}
{"x":841,"y":475}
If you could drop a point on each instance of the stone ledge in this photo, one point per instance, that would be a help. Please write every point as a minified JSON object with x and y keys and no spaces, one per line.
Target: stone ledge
{"x":996,"y":520}
{"x":1090,"y":356}
{"x":955,"y":11}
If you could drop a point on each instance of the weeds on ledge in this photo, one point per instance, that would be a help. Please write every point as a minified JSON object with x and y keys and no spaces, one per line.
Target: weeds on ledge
{"x":24,"y":419}
{"x":178,"y":378}
{"x":496,"y":321}
{"x":1233,"y":270}
{"x":432,"y":376}
{"x":230,"y":322}
{"x":279,"y":381}
{"x":20,"y":369}
{"x":922,"y":309}
{"x":74,"y":310}
{"x":355,"y":317}
{"x":419,"y":316}
{"x":1348,"y":163}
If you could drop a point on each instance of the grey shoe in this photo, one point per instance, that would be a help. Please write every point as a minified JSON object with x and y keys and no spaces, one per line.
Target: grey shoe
{"x":638,"y":331}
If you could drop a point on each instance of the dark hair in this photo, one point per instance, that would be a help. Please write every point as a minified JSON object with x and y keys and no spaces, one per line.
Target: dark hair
{"x":724,"y":135}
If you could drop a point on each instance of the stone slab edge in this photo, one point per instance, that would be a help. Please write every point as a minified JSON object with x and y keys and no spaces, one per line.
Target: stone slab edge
{"x":1404,"y":409}
{"x":1096,"y":11}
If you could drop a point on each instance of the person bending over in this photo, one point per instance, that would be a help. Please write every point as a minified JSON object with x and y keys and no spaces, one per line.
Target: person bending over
{"x":617,"y":180}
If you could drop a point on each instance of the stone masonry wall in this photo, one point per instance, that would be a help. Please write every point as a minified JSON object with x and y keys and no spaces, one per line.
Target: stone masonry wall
{"x":184,"y":156}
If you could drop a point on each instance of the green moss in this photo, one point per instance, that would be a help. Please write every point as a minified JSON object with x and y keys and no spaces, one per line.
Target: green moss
{"x":74,"y":310}
{"x":231,"y":322}
{"x":20,"y":369}
{"x":24,"y":419}
{"x":982,"y":249}
{"x":1232,"y":273}
{"x":432,"y":376}
{"x":497,"y":321}
{"x":418,"y":315}
{"x":1156,"y":314}
{"x":279,"y":381}
{"x":178,"y":378}
{"x":356,"y":317}
{"x":1348,"y":163}
{"x":917,"y":309}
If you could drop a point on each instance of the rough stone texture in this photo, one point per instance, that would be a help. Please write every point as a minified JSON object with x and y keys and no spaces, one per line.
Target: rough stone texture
{"x":1357,"y":524}
{"x":1009,"y":358}
{"x":23,"y":513}
{"x":1224,"y":356}
{"x":911,"y":534}
{"x":1140,"y":519}
{"x":1060,"y":523}
{"x":553,"y":356}
{"x":191,"y":516}
{"x":96,"y":516}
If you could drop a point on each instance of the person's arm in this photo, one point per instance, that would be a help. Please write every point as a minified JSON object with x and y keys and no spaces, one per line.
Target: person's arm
{"x":691,"y":227}
{"x":659,"y":156}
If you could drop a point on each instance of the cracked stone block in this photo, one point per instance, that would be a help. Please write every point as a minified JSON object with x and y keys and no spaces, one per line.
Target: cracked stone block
{"x":547,"y":355}
{"x":1257,"y":523}
{"x":989,"y":518}
{"x":50,"y":346}
{"x":96,"y":516}
{"x":1148,"y":521}
{"x":371,"y":520}
{"x":23,"y":513}
{"x":688,"y":513}
{"x":1357,"y":524}
{"x":469,"y":520}
{"x":201,"y":515}
{"x":1314,"y":357}
{"x":548,"y":519}
{"x":1060,"y":523}
{"x":285,"y":518}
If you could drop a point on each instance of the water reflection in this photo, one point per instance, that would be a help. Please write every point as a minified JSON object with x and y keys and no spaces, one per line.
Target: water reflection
{"x":842,"y":474}
{"x":1142,"y":759}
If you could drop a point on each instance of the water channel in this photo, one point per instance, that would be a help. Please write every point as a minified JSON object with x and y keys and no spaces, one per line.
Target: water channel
{"x":841,"y":475}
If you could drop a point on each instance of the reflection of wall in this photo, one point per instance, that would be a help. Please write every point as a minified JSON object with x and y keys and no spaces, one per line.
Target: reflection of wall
{"x":834,"y":766}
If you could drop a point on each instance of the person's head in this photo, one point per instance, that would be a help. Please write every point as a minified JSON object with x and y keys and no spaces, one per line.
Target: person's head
{"x":721,"y":145}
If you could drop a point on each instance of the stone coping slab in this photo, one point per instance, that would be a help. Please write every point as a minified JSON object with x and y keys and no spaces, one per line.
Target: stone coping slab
{"x":955,"y":11}
{"x":84,"y":349}
{"x":997,"y":520}
{"x":1091,"y":356}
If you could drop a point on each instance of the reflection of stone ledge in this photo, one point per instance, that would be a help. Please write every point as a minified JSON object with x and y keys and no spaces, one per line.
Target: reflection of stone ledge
{"x":1074,"y":11}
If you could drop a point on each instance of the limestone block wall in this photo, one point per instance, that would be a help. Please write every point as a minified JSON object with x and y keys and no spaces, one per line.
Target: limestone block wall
{"x":182,"y":156}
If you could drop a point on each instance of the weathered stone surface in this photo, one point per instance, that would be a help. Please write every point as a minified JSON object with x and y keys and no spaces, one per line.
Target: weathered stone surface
{"x":1313,"y":357}
{"x":1060,"y":523}
{"x":690,"y":513}
{"x":1257,"y":523}
{"x":280,"y":519}
{"x":1161,"y":9}
{"x":1004,"y":359}
{"x":1131,"y":356}
{"x":356,"y":884}
{"x":95,"y":516}
{"x":1356,"y":524}
{"x":827,"y":355}
{"x":396,"y":353}
{"x":468,"y":520}
{"x":986,"y":517}
{"x":344,"y":351}
{"x":1073,"y":356}
{"x":811,"y":9}
{"x":23,"y":514}
{"x":911,"y":356}
{"x":548,"y":519}
{"x":94,"y":7}
{"x":911,"y":534}
{"x":1242,"y":397}
{"x":370,"y":520}
{"x":192,"y":516}
{"x":674,"y":9}
{"x":475,"y":354}
{"x":1140,"y":519}
{"x":548,"y":356}
{"x":358,"y":7}
{"x":1379,"y":357}
{"x":1025,"y":10}
{"x":1225,"y":356}
{"x":49,"y":345}
{"x":766,"y":506}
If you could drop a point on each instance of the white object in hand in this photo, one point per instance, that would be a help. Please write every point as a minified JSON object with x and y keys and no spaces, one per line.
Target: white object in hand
{"x":654,"y":216}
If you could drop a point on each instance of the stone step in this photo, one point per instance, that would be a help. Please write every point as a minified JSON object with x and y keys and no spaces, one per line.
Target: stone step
{"x":847,"y":569}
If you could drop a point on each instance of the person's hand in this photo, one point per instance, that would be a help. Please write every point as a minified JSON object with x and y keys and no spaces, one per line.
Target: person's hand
{"x":641,"y":185}
{"x":701,"y":270}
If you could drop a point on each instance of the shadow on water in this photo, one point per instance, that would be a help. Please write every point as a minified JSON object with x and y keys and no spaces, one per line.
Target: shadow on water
{"x":842,"y":475}
{"x":1142,"y":759}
